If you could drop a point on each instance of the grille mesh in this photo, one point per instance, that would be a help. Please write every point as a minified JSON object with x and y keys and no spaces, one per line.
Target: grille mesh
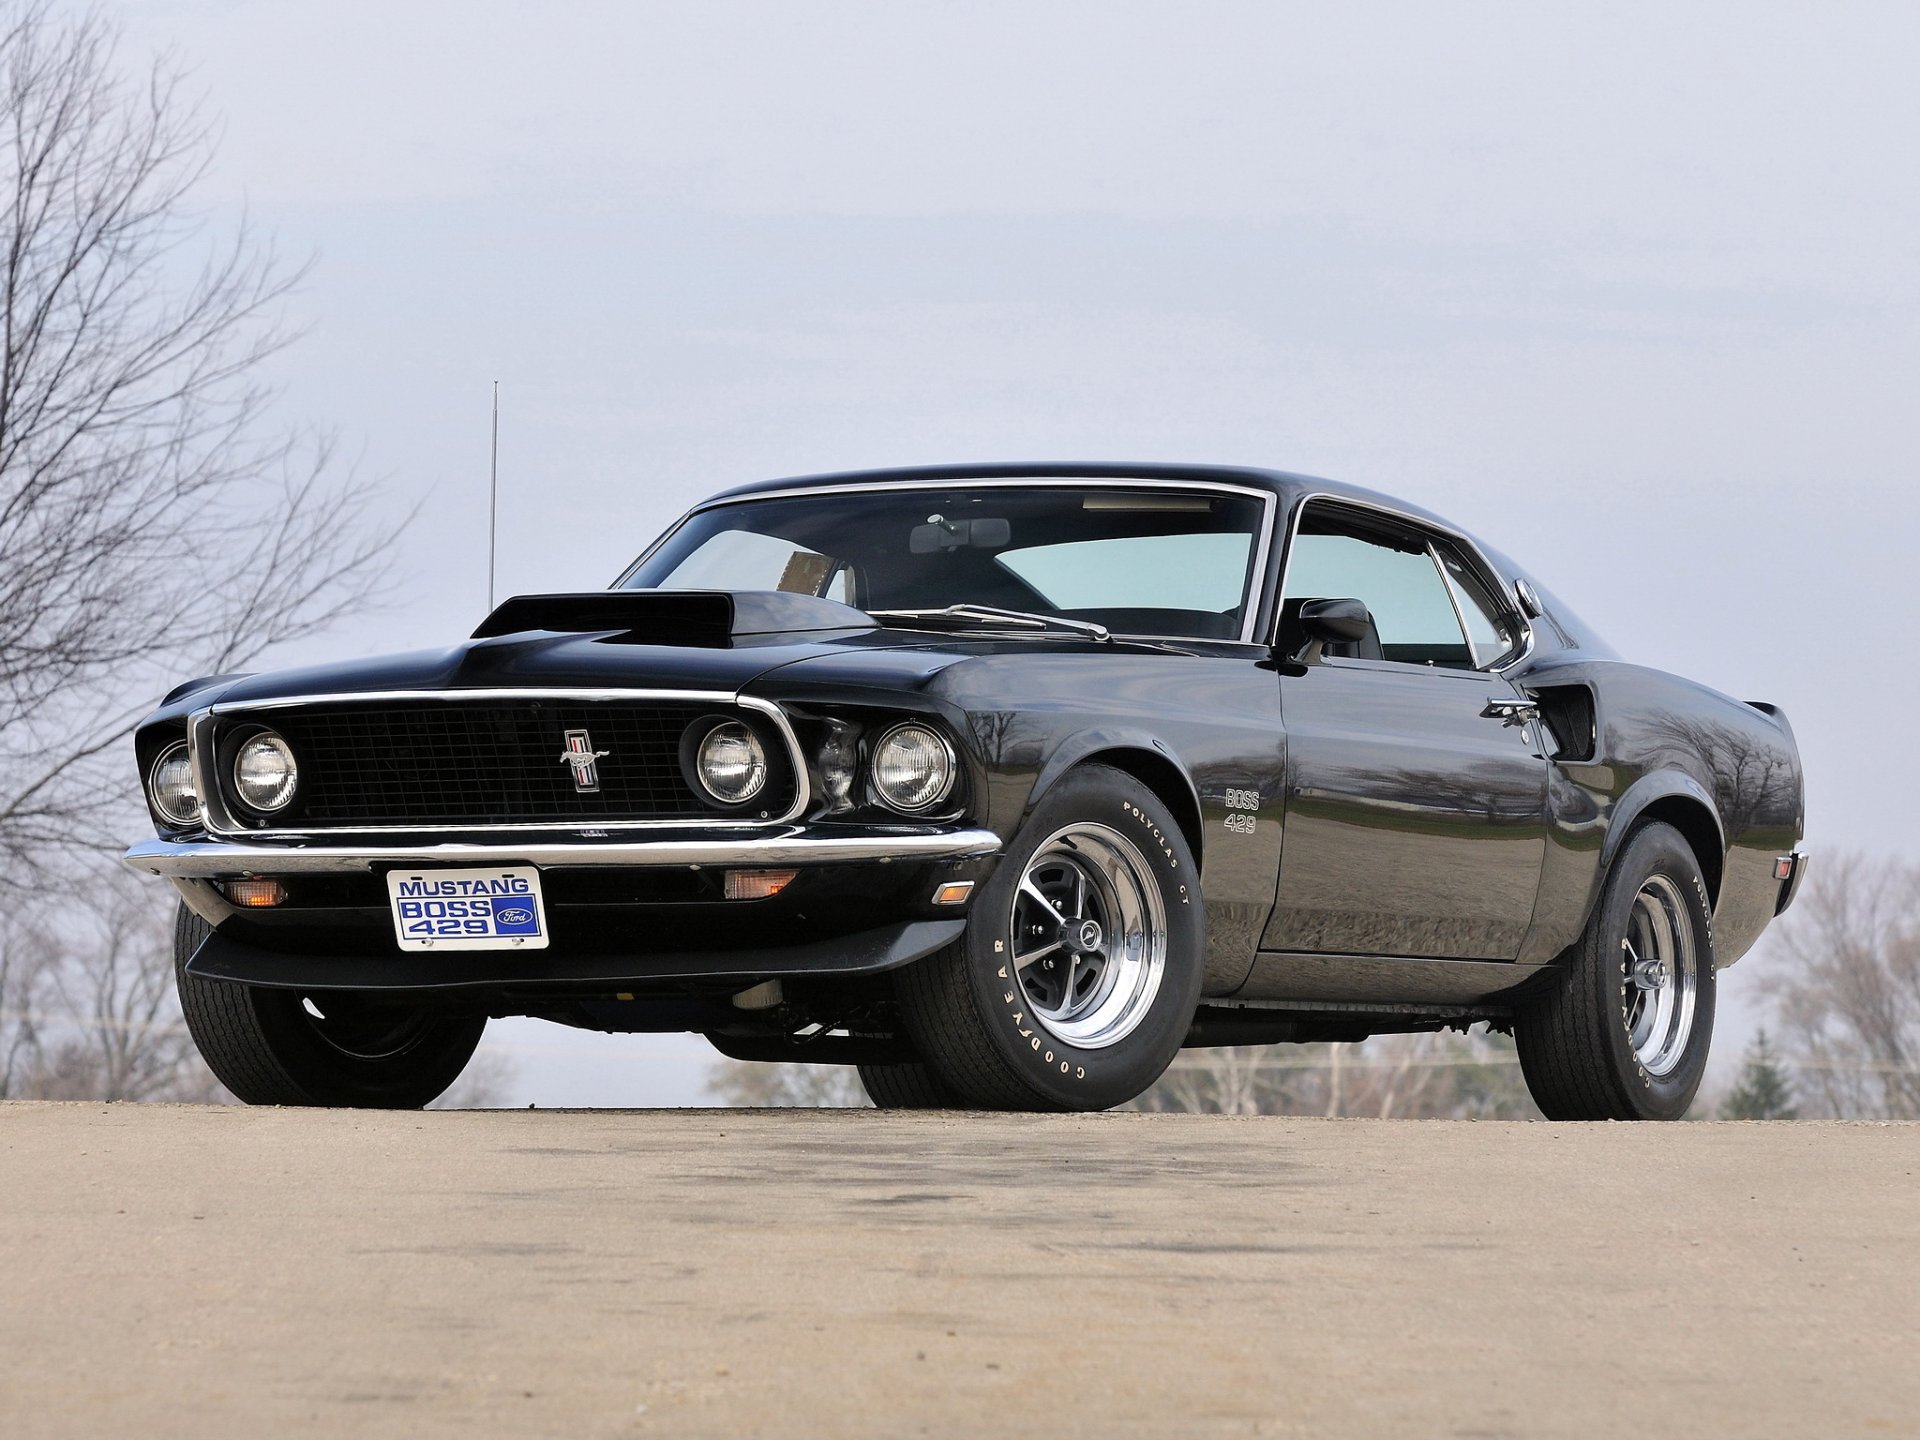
{"x":498,"y":762}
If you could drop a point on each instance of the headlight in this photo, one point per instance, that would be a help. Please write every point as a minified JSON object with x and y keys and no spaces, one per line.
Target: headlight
{"x":730,"y":764}
{"x":170,"y":785}
{"x":264,"y":773}
{"x":913,"y":768}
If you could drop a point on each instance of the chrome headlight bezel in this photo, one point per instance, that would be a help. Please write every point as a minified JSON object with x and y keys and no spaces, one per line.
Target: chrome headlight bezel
{"x":947,"y":770}
{"x":176,"y":752}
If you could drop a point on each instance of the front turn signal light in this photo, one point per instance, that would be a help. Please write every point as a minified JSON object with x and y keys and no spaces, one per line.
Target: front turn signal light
{"x":757,"y":884}
{"x":253,"y":894}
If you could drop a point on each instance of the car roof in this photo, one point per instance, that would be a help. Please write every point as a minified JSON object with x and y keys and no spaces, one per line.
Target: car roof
{"x":1285,"y":484}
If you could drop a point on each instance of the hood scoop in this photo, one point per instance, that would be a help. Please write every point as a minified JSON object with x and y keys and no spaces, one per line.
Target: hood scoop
{"x":702,"y":619}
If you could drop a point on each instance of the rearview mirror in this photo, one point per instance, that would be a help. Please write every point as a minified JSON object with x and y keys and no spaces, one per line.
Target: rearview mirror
{"x":940,"y":534}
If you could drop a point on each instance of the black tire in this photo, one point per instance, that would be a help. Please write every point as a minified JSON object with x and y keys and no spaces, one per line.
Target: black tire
{"x":973,"y":1019}
{"x":908,"y":1087}
{"x":266,"y":1048}
{"x":1576,"y":1041}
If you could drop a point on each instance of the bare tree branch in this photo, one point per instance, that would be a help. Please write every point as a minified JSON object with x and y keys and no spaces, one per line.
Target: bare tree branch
{"x":87,"y":1005}
{"x":1845,"y":982}
{"x":1418,"y":1077}
{"x":153,"y":523}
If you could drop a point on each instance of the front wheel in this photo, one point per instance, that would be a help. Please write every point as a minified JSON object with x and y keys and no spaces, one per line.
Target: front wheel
{"x":908,"y":1086}
{"x":1624,"y":1032}
{"x":1080,"y":970}
{"x":279,"y":1047}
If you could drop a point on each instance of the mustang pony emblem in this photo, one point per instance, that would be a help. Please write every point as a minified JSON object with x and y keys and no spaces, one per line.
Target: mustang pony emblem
{"x":584,"y":759}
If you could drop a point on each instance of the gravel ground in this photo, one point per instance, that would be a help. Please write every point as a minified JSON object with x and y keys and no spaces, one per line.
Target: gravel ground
{"x":258,"y":1273}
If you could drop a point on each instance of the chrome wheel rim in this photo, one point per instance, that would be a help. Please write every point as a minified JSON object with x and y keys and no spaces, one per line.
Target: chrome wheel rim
{"x":1659,"y":976}
{"x":1089,"y":934}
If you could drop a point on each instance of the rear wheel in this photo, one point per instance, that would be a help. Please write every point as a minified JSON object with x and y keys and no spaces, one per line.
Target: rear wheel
{"x":279,"y":1047}
{"x":908,"y":1087}
{"x":1624,"y":1032}
{"x":1080,"y":969}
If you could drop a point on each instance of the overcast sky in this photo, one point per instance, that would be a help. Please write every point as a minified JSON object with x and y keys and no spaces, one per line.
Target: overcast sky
{"x":1629,"y":290}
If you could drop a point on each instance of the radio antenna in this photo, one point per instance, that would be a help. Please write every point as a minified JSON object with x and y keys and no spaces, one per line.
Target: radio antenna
{"x":493,"y":496}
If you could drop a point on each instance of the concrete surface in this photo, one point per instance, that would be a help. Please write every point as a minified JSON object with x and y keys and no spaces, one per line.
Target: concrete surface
{"x":261,"y":1273}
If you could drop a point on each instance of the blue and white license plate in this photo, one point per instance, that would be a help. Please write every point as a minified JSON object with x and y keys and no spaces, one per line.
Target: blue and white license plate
{"x":492,"y":909}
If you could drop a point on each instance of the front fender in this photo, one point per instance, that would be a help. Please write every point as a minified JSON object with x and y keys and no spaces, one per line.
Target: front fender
{"x":1165,"y":771}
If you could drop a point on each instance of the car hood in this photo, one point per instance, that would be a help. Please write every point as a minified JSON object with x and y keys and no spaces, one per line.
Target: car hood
{"x":544,"y":661}
{"x":835,"y":646}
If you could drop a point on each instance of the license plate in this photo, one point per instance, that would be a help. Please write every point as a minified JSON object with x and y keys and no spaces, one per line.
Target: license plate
{"x":491,"y":909}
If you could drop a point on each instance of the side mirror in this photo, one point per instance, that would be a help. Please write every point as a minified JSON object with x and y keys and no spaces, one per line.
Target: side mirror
{"x":1343,"y":621}
{"x":1331,"y":622}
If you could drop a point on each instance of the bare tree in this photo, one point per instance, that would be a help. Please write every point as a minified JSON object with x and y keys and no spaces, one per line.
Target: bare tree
{"x":97,"y":1019}
{"x":23,"y":977}
{"x":1417,"y":1077}
{"x":1844,"y":977}
{"x":1226,"y":1080}
{"x":483,"y":1085}
{"x":1473,"y":1076}
{"x":763,"y":1085}
{"x":152,"y":520}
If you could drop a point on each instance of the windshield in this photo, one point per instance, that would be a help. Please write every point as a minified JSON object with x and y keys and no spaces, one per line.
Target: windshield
{"x":1138,"y":561}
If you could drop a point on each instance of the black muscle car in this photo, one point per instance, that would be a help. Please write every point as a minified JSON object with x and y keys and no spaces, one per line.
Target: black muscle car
{"x":1002,"y":783}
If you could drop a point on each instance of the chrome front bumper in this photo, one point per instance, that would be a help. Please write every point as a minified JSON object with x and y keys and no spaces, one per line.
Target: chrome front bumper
{"x":206,"y":859}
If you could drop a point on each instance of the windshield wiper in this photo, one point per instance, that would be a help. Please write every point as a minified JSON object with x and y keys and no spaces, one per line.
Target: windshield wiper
{"x":993,"y":615}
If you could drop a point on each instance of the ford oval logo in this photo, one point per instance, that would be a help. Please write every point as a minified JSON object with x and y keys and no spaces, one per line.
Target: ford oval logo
{"x":515,"y":916}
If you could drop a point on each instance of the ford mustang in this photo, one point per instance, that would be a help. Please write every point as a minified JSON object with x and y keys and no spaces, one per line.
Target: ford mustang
{"x":1002,"y":783}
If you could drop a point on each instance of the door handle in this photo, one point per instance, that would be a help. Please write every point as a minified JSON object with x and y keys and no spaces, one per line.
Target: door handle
{"x":1511,"y":712}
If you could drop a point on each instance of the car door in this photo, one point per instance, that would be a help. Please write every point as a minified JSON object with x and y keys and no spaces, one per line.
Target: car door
{"x":1415,"y":812}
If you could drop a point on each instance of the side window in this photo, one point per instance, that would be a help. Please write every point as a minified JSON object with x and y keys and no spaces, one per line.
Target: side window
{"x":1392,"y":573}
{"x":1490,"y":631}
